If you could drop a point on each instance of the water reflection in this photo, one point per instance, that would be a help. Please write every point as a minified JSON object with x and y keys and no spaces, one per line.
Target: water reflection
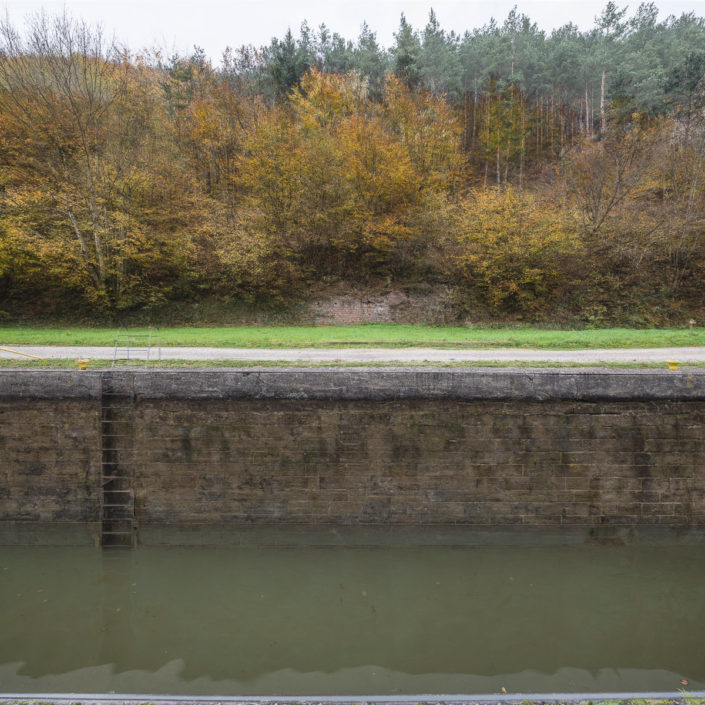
{"x":271,"y":620}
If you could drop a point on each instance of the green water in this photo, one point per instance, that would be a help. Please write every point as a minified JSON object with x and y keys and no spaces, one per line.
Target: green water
{"x":301,"y":620}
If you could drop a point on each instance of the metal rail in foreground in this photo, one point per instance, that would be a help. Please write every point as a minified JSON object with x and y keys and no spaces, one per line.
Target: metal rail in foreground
{"x":130,"y":699}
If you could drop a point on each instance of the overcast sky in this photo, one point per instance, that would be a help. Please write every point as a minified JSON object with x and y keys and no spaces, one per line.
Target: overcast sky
{"x":215,"y":24}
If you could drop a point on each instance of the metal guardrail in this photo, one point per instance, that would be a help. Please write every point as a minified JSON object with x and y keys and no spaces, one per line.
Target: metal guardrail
{"x":130,"y":345}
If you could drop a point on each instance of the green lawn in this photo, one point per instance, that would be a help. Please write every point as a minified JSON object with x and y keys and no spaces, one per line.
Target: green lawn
{"x":372,"y":335}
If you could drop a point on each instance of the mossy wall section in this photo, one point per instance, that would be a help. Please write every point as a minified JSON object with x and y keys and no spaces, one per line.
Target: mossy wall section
{"x":421,"y":462}
{"x":50,"y":455}
{"x":340,"y":448}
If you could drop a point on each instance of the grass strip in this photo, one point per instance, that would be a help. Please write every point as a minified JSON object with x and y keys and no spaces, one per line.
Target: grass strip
{"x":370,"y":335}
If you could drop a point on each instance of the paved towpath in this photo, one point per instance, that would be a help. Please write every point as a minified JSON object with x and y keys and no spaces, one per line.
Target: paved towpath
{"x":400,"y":355}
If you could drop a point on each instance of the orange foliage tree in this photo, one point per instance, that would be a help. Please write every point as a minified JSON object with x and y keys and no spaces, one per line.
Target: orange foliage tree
{"x":335,"y":182}
{"x":92,"y":185}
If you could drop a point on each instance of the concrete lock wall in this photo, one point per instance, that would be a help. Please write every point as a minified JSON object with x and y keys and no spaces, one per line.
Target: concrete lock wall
{"x":483,"y":448}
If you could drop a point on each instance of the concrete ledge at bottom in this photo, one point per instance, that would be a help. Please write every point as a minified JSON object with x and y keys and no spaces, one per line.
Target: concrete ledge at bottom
{"x":646,"y":698}
{"x":236,"y":535}
{"x":381,"y":535}
{"x":375,"y":384}
{"x":35,"y":533}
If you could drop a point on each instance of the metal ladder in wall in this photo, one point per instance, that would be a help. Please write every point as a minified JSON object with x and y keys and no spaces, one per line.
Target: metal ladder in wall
{"x":117,"y":508}
{"x":135,"y":346}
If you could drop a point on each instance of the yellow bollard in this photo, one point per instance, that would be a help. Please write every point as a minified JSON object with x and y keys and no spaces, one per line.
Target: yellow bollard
{"x":82,"y":364}
{"x":672,"y":365}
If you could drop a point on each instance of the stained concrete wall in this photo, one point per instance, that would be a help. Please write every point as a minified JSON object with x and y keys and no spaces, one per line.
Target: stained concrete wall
{"x":479,"y":463}
{"x":483,"y":448}
{"x":50,"y":452}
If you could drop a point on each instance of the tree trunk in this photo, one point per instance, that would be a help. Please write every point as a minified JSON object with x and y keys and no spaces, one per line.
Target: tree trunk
{"x":603,"y":118}
{"x":523,"y":145}
{"x":95,"y":275}
{"x":538,"y":129}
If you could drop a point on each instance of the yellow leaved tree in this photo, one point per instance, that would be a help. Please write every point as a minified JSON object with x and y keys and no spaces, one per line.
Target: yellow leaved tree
{"x":92,"y":184}
{"x":336,"y":183}
{"x":511,"y":247}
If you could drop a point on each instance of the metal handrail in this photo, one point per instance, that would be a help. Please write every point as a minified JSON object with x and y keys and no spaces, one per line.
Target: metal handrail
{"x":152,"y":339}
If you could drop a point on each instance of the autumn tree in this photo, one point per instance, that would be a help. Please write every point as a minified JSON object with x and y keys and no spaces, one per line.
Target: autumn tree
{"x":511,"y":247}
{"x":602,"y":174}
{"x":81,"y":148}
{"x":61,"y":94}
{"x":335,"y":184}
{"x":659,"y":224}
